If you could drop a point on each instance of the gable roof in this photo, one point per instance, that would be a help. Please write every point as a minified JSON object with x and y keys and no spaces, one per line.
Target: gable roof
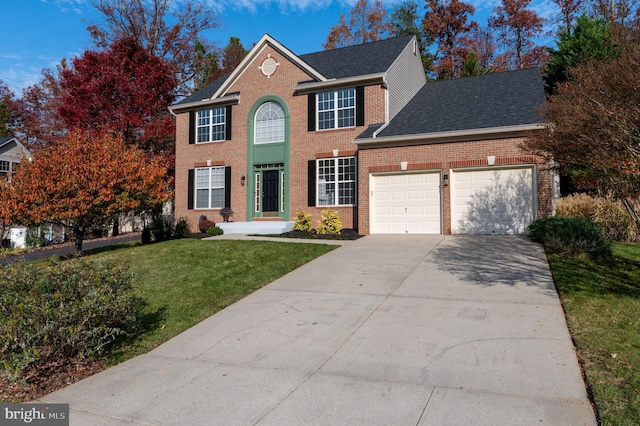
{"x":464,"y":106}
{"x":362,"y":59}
{"x":6,"y":140}
{"x":366,"y":60}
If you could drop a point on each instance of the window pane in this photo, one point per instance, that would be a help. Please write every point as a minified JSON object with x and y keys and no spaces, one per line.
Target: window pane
{"x":346,"y":107}
{"x":210,"y":125}
{"x":337,"y":181}
{"x":217,"y":198}
{"x":270,"y":123}
{"x":326,"y":110}
{"x":209,"y":187}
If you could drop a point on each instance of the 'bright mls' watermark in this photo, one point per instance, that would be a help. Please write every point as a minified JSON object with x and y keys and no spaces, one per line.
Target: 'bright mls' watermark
{"x":34,"y":414}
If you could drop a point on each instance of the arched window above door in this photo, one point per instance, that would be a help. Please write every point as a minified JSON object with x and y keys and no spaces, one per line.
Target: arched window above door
{"x":269,"y":123}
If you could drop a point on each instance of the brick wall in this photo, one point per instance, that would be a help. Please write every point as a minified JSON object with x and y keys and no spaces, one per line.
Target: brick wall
{"x":304,"y":145}
{"x":442,"y":157}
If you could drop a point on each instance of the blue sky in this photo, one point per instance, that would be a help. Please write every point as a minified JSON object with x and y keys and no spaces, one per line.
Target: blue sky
{"x":37,"y":34}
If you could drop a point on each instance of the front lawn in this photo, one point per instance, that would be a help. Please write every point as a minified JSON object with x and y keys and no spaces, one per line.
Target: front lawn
{"x":185,"y":281}
{"x":182,"y":282}
{"x":601,"y":299}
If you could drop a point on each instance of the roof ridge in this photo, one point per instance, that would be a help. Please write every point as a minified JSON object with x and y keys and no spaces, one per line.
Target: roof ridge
{"x":359,"y":44}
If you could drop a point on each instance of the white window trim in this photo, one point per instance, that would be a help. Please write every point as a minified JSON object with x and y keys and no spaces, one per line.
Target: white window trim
{"x":336,"y":195}
{"x":335,"y":110}
{"x":211,"y":125}
{"x":8,"y":164}
{"x":209,"y":188}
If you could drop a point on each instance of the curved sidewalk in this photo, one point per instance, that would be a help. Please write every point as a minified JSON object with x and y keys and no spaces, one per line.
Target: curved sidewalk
{"x":385,"y":330}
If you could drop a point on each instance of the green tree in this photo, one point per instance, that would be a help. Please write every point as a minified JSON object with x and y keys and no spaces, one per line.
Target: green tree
{"x":404,"y":20}
{"x":206,"y":65}
{"x":590,"y":39}
{"x":6,"y":99}
{"x":471,"y":67}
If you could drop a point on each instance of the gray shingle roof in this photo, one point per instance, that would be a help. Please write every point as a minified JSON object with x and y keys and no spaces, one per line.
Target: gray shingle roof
{"x":206,"y":92}
{"x":493,"y":100}
{"x":362,"y":59}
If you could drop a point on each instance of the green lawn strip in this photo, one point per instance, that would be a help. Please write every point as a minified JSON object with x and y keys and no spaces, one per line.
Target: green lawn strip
{"x":601,"y":299}
{"x":185,"y":281}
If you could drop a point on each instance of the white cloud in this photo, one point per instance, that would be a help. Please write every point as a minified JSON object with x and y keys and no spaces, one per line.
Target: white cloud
{"x":66,"y":6}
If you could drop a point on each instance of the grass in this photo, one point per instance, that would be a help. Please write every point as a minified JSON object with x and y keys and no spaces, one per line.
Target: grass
{"x":185,"y":281}
{"x":601,"y":299}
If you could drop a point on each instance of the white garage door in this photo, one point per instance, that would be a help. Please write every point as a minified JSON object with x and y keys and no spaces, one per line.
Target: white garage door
{"x":492,"y":201}
{"x":405,"y":204}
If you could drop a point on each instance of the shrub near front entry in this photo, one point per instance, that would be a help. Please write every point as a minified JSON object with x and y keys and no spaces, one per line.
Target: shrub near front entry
{"x":330,"y":223}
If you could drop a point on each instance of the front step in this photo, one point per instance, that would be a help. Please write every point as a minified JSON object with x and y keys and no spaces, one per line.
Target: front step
{"x":273,"y":226}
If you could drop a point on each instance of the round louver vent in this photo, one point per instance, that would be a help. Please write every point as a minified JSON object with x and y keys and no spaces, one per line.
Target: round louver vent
{"x":269,"y":66}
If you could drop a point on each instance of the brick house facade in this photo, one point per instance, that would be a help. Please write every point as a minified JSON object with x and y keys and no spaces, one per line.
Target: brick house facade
{"x":335,"y":129}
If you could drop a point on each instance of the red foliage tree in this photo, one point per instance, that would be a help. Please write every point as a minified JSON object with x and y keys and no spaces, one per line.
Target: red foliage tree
{"x":594,"y":123}
{"x":480,"y":41}
{"x":123,"y":90}
{"x":446,"y":21}
{"x":169,"y":29}
{"x":517,"y":28}
{"x":367,"y":22}
{"x":38,"y":123}
{"x":568,"y":11}
{"x":82,"y":181}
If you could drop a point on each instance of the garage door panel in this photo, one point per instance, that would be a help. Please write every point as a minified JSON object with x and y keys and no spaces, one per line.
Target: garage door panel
{"x":497,"y":201}
{"x":412,"y":202}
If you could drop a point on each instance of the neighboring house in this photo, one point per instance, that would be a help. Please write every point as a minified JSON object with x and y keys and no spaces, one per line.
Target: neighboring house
{"x":12,"y":152}
{"x":360,"y":131}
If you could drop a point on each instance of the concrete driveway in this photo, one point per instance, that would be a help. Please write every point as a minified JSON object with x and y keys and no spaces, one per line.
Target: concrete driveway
{"x":385,"y":330}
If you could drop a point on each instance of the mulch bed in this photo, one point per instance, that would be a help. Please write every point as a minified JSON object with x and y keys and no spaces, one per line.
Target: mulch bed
{"x":346,"y":234}
{"x":40,"y":380}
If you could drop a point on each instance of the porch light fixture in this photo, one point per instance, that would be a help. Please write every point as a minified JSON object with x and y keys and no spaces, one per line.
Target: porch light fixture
{"x":242,"y":179}
{"x":445,"y":180}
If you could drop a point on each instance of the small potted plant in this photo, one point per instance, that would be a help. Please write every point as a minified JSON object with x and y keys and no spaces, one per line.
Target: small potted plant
{"x":226,"y":213}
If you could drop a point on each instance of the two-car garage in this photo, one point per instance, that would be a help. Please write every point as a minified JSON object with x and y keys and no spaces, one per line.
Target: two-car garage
{"x":483,"y":201}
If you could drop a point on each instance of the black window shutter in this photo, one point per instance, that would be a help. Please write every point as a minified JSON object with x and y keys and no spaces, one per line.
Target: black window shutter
{"x":190,"y":189}
{"x":227,"y":186}
{"x":311,"y":190}
{"x":360,"y":106}
{"x":227,"y":135}
{"x":311,"y":112}
{"x":192,"y":127}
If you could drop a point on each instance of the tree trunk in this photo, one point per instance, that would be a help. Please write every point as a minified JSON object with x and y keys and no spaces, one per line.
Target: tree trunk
{"x":633,"y":213}
{"x":79,"y":237}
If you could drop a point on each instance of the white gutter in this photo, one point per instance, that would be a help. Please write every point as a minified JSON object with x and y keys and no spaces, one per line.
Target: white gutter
{"x":225,"y":100}
{"x":451,"y":136}
{"x":313,"y":86}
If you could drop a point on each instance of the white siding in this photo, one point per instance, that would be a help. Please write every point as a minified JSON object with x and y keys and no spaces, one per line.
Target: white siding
{"x":12,"y":152}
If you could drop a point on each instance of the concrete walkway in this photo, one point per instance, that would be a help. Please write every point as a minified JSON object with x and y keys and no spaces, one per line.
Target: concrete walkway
{"x":385,"y":330}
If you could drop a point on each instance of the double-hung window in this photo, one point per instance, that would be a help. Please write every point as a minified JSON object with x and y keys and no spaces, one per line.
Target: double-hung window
{"x":209,"y":188}
{"x":336,"y":109}
{"x":210,"y":125}
{"x":336,"y":181}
